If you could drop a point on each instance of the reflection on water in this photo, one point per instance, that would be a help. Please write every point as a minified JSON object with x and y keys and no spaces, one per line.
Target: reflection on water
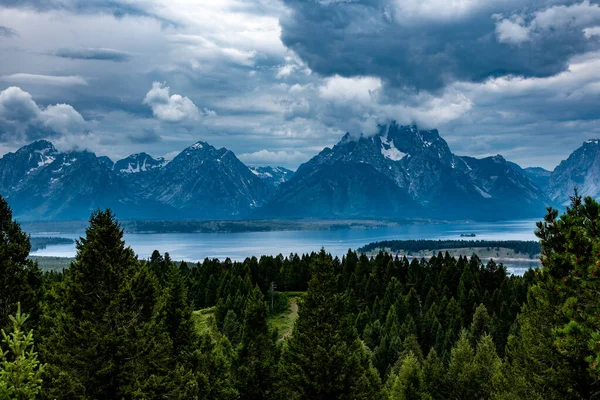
{"x":237,"y":246}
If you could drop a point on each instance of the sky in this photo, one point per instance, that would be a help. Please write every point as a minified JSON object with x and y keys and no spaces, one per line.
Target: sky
{"x":276,"y":81}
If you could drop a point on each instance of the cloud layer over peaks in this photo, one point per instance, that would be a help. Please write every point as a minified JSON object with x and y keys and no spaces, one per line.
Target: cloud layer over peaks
{"x":429,"y":44}
{"x":22,"y":118}
{"x":170,"y":108}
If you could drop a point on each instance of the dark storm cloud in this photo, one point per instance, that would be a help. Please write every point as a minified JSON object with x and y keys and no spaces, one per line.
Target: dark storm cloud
{"x":93,"y":54}
{"x":407,"y":44}
{"x":5,"y":31}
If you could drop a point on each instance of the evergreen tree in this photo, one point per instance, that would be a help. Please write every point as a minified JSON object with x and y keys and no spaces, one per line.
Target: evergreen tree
{"x":178,"y":313}
{"x":108,"y":338}
{"x":434,"y":382}
{"x":485,"y":367}
{"x":480,"y":326}
{"x":232,"y":328}
{"x":556,"y":344}
{"x":257,"y":356}
{"x":460,"y":373}
{"x":212,"y":366}
{"x":20,"y":370}
{"x":20,"y":278}
{"x":408,"y":382}
{"x":324,"y":358}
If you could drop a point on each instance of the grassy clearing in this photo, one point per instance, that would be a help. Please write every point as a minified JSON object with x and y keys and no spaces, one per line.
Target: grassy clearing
{"x":282,"y":321}
{"x":203,"y":319}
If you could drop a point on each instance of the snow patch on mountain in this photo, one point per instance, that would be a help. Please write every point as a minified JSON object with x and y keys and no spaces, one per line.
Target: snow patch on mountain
{"x":389,"y":150}
{"x":483,"y":193}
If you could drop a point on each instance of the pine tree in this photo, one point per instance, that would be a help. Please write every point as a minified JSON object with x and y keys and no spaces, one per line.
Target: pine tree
{"x":485,"y":367}
{"x":460,"y":373}
{"x":20,"y":370}
{"x":434,"y":382}
{"x":212,"y":366}
{"x":258,"y":355}
{"x":20,"y":278}
{"x":232,"y":328}
{"x":108,"y":338}
{"x":324,"y":358}
{"x":178,"y":313}
{"x":480,"y":326}
{"x":556,"y":344}
{"x":407,"y":384}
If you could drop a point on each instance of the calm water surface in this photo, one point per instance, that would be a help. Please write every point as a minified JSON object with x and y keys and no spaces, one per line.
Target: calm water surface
{"x":237,"y":246}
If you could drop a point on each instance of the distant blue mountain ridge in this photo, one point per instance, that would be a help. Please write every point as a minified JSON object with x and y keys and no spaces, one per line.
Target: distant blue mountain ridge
{"x":400,"y":172}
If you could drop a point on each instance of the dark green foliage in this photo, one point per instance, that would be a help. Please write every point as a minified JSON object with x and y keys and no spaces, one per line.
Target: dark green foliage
{"x":114,"y":327}
{"x":324,"y":359}
{"x":107,"y":338}
{"x":433,"y":375}
{"x":554,"y":345}
{"x":258,"y":355}
{"x":480,"y":326}
{"x":232,"y":328}
{"x":20,"y":278}
{"x":531,"y":248}
{"x":407,"y":384}
{"x":178,"y":321}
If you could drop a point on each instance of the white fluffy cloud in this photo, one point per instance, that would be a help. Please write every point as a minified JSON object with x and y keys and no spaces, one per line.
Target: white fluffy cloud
{"x":512,"y":31}
{"x":584,"y":16}
{"x":437,"y":9}
{"x":20,"y":114}
{"x":338,"y":88}
{"x":170,"y":108}
{"x":266,"y":157}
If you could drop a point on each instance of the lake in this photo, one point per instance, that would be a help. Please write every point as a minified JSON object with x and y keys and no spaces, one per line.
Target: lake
{"x":238,"y":246}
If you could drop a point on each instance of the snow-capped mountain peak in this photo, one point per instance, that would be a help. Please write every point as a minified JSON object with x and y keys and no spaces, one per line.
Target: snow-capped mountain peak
{"x":139,"y":162}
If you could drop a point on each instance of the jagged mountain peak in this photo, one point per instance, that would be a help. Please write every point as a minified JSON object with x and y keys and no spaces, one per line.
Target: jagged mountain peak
{"x":199,"y":145}
{"x":139,"y":162}
{"x":43,"y":146}
{"x":414,"y":172}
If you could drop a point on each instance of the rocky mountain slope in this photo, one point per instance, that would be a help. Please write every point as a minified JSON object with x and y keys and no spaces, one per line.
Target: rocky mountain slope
{"x":581,"y":170}
{"x":205,"y":182}
{"x":140,"y":162}
{"x":201,"y":182}
{"x":403,"y":171}
{"x":399,"y":172}
{"x":272,"y":176}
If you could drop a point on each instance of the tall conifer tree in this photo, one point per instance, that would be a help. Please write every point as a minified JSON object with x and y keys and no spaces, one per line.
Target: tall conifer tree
{"x":108,"y":338}
{"x":20,"y":278}
{"x":324,"y":358}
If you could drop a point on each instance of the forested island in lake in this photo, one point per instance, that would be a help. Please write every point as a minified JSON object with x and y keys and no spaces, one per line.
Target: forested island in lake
{"x":113,"y":326}
{"x":484,"y":249}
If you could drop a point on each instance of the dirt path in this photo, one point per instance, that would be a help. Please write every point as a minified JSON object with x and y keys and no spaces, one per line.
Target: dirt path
{"x":294,"y":306}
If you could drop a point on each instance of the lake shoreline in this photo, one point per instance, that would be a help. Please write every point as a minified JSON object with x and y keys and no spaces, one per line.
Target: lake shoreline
{"x":238,"y":226}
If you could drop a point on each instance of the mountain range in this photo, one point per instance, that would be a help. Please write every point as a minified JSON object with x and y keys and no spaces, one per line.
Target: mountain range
{"x":399,"y":172}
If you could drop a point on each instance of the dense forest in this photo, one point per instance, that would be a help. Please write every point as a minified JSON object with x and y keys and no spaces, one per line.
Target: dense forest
{"x":112,"y":326}
{"x":531,"y":248}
